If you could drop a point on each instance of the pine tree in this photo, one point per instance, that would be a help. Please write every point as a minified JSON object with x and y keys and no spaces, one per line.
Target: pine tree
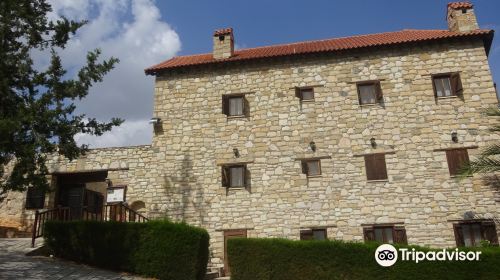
{"x":37,"y":110}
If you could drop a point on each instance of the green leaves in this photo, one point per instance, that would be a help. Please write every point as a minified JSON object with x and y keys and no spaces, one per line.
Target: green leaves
{"x":37,"y":106}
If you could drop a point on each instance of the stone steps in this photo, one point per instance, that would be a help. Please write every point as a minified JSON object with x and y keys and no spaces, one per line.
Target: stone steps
{"x":12,"y":232}
{"x":213,"y":273}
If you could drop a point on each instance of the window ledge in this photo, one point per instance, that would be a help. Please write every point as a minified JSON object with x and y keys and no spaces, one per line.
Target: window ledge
{"x":458,"y":176}
{"x":308,"y":101}
{"x":314,"y":176}
{"x":377,"y":181}
{"x":236,"y":117}
{"x":236,"y":188}
{"x":447,"y":97}
{"x":369,"y":105}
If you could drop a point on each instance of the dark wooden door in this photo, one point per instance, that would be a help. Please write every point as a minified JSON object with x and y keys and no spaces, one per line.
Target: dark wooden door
{"x":71,"y":196}
{"x":228,"y":234}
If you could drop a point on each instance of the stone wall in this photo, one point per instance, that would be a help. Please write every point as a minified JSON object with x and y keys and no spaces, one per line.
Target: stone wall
{"x":196,"y":137}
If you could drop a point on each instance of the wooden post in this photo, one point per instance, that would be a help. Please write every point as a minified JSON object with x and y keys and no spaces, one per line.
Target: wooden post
{"x":33,"y":235}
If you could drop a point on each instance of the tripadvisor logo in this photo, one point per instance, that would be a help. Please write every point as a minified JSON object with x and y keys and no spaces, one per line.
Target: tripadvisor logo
{"x":386,"y":255}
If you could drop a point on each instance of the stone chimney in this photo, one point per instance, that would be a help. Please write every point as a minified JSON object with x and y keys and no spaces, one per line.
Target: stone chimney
{"x":223,"y":43}
{"x":461,"y":17}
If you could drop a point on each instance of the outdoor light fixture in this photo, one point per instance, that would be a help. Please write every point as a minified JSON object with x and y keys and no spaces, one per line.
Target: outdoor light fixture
{"x":373,"y":143}
{"x":108,"y":182}
{"x":454,"y":137}
{"x":236,"y":152}
{"x":313,"y":146}
{"x":155,"y":121}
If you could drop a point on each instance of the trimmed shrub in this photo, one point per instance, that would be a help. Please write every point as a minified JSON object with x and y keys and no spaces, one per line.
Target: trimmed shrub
{"x":159,"y":249}
{"x":280,"y":259}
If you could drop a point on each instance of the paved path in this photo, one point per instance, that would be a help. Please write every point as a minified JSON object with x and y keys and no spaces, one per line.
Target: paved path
{"x":14,"y":265}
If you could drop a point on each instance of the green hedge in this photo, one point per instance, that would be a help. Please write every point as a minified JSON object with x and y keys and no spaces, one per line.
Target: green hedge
{"x":280,"y":259}
{"x":159,"y":249}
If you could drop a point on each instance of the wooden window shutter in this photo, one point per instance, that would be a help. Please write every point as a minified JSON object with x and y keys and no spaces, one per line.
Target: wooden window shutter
{"x":490,"y":232}
{"x":370,"y":167}
{"x":378,"y":92}
{"x":375,"y":167}
{"x":298,"y":93}
{"x":451,"y":158}
{"x":224,"y":176}
{"x":456,"y":84}
{"x":304,"y":167}
{"x":434,"y":88}
{"x":400,"y":235}
{"x":459,"y":238}
{"x":368,"y":234}
{"x":246,"y":176}
{"x":225,"y":105}
{"x":381,"y":168}
{"x":306,"y":235}
{"x":246,"y":106}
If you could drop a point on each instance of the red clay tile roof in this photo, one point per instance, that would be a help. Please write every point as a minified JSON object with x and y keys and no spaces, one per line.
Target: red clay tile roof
{"x":320,"y":46}
{"x":460,"y":5}
{"x":223,"y":31}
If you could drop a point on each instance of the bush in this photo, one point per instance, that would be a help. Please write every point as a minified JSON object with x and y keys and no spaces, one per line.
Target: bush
{"x":159,"y":249}
{"x":280,"y":259}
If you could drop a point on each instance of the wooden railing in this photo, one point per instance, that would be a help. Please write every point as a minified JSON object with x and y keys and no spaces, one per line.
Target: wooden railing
{"x":112,"y":212}
{"x":122,"y":213}
{"x":59,"y":214}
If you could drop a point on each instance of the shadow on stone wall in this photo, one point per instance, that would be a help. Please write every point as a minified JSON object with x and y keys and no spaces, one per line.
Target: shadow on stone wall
{"x":185,"y":194}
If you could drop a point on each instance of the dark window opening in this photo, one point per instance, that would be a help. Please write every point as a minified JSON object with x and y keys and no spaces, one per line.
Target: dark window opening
{"x":385,"y":234}
{"x":234,"y":176}
{"x":447,"y":85}
{"x":313,"y":234}
{"x":311,"y":167}
{"x":375,"y":167}
{"x":457,"y":159}
{"x":369,"y":93}
{"x":305,"y":94}
{"x":35,"y":198}
{"x":221,"y":38}
{"x":472,"y":234}
{"x":234,"y":105}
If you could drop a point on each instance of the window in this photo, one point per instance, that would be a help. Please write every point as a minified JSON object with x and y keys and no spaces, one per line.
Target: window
{"x":369,"y":93}
{"x":447,"y":85}
{"x":234,"y":176}
{"x":305,"y":94}
{"x":470,"y":234}
{"x":311,"y":167}
{"x":234,"y":105}
{"x":375,"y":167}
{"x":385,"y":234}
{"x":35,"y":198}
{"x":456,"y":158}
{"x":313,"y":234}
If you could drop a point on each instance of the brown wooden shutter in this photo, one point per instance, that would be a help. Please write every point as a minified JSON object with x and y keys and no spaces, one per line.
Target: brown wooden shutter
{"x":246,"y":106}
{"x":400,"y":235}
{"x":490,"y":232}
{"x":245,"y":176}
{"x":459,"y":238}
{"x":304,"y":167}
{"x":381,"y":168}
{"x":306,"y":235}
{"x":224,"y":177}
{"x":463,"y":159}
{"x":368,"y":234}
{"x":451,"y":158}
{"x":378,"y":92}
{"x":225,"y":105}
{"x":370,"y":167}
{"x":456,"y":84}
{"x":434,"y":88}
{"x":298,"y":93}
{"x":359,"y":95}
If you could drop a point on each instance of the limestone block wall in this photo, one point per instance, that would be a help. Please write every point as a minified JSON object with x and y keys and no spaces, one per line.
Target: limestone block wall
{"x":196,"y":137}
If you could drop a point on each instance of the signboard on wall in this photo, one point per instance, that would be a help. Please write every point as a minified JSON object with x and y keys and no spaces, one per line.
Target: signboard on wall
{"x":116,"y":194}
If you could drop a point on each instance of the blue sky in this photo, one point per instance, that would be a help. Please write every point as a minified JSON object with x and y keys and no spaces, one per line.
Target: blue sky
{"x":259,"y":22}
{"x":142,"y":33}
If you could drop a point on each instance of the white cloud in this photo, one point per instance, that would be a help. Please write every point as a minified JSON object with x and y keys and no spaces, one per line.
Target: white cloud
{"x":129,"y":133}
{"x":132,"y":31}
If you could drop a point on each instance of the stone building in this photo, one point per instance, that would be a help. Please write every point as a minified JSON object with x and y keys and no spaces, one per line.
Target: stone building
{"x":355,"y":138}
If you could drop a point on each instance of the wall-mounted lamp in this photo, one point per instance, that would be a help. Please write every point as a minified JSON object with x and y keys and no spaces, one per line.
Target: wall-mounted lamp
{"x":373,"y":142}
{"x":454,"y":137}
{"x":155,"y":121}
{"x":312,"y":145}
{"x":236,"y":152}
{"x":108,"y":182}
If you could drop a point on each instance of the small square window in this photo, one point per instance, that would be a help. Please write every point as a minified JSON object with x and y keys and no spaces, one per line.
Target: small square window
{"x":385,"y":234}
{"x":446,"y":85}
{"x":472,"y":233}
{"x":234,"y":105}
{"x":456,"y":158}
{"x":375,"y":167}
{"x":305,"y":94}
{"x":369,"y":93}
{"x":313,"y":234}
{"x":311,"y":167}
{"x":234,"y":176}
